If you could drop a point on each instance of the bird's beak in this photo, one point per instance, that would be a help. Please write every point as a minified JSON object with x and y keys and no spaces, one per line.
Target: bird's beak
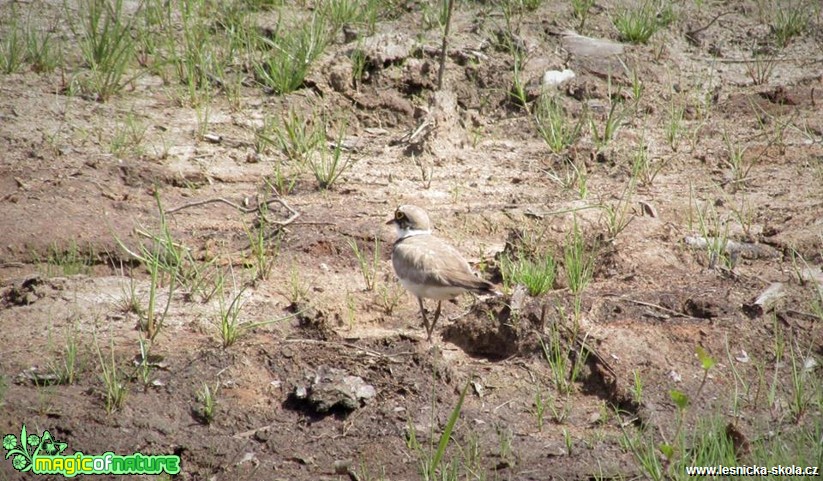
{"x":390,"y":222}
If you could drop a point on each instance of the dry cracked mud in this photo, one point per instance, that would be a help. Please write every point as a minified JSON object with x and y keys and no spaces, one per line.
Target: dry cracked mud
{"x":731,"y":152}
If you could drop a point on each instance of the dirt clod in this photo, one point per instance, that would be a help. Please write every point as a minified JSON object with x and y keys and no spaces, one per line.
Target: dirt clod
{"x":330,"y":388}
{"x":690,"y":166}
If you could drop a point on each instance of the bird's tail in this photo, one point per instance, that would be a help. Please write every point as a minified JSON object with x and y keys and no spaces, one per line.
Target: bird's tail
{"x":489,"y":288}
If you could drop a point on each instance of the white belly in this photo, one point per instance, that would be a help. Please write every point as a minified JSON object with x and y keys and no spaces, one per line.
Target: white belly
{"x":440,"y":293}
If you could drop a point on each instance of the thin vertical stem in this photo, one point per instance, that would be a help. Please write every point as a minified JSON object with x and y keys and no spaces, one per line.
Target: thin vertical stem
{"x":442,"y":69}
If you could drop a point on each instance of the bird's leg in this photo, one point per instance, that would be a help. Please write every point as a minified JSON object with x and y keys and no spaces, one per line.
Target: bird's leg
{"x":430,"y":329}
{"x":423,"y":313}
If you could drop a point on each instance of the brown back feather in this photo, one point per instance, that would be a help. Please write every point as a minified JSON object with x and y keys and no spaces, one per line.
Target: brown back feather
{"x":446,"y":266}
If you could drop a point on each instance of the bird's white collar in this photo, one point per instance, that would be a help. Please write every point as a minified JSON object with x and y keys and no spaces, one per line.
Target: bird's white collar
{"x":404,"y":233}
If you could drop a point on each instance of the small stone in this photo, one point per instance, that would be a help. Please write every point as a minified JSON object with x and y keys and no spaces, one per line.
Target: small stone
{"x":648,"y":209}
{"x":261,"y":435}
{"x":554,"y":78}
{"x":478,"y":388}
{"x":342,"y":466}
{"x":331,"y":388}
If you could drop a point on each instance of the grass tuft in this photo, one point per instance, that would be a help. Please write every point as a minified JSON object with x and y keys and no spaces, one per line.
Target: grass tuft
{"x":554,"y":126}
{"x":230,"y":326}
{"x":580,"y":9}
{"x":298,"y":137}
{"x":579,"y":261}
{"x":791,"y":19}
{"x":637,"y":25}
{"x":67,"y":261}
{"x":537,"y":275}
{"x":106,"y":44}
{"x":328,"y":166}
{"x":369,"y":267}
{"x":285,"y":65}
{"x":207,"y":396}
{"x":12,"y":45}
{"x":114,"y":380}
{"x":433,"y":464}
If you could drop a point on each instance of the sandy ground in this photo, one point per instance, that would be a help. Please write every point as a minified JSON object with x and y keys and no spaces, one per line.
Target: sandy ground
{"x":489,"y":183}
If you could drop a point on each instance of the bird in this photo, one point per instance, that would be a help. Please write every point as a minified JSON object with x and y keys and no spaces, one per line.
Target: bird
{"x":428,"y":267}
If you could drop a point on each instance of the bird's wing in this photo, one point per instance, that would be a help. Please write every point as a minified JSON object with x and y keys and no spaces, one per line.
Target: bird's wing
{"x":445,"y":266}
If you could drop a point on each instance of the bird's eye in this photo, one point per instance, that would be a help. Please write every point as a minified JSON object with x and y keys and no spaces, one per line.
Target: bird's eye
{"x":399,"y":215}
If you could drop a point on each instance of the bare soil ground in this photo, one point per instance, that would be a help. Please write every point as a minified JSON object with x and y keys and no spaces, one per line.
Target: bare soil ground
{"x":486,"y":178}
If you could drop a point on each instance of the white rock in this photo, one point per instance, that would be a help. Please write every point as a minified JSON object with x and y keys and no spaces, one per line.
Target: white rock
{"x":553,"y":78}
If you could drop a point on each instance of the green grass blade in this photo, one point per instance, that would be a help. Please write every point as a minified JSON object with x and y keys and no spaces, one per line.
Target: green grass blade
{"x":447,"y":432}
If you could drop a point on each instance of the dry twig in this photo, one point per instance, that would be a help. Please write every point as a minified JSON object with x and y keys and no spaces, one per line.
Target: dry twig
{"x":293,"y":214}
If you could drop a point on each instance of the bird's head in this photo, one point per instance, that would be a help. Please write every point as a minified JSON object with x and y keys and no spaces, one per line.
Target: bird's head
{"x":410,"y":220}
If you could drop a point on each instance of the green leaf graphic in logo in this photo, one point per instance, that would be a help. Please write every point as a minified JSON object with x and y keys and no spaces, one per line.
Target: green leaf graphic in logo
{"x":9,"y":442}
{"x":51,"y":446}
{"x":19,"y":462}
{"x":30,"y":445}
{"x":21,"y":459}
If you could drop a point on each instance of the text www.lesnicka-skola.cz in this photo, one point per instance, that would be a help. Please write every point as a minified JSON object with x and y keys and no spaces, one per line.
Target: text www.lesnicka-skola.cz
{"x":778,"y":470}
